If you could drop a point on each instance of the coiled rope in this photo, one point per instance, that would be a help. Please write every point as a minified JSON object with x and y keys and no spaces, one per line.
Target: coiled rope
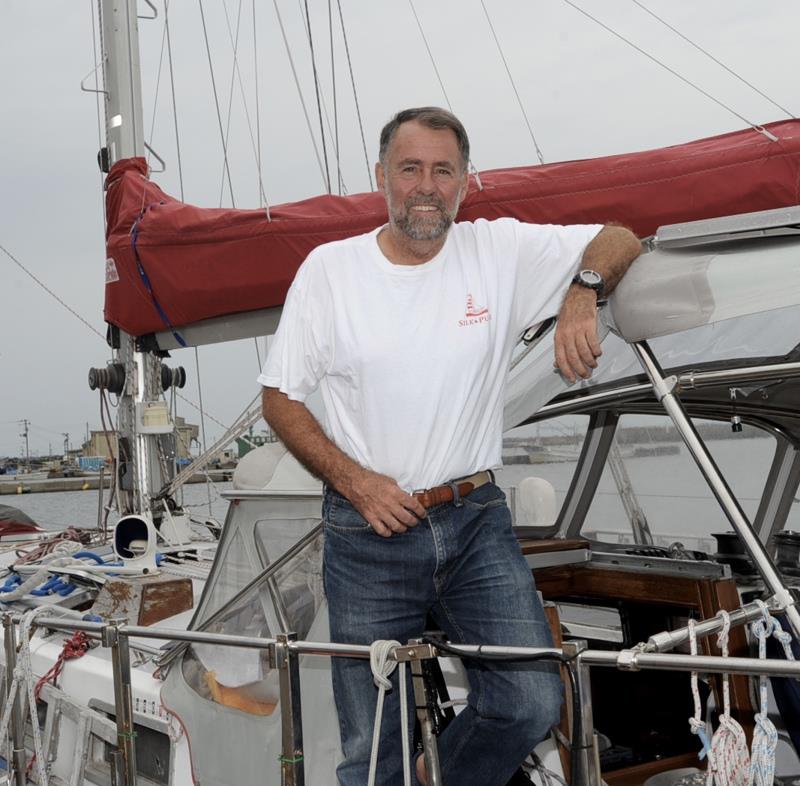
{"x":731,"y":758}
{"x":765,"y":735}
{"x":23,"y":680}
{"x":382,"y":662}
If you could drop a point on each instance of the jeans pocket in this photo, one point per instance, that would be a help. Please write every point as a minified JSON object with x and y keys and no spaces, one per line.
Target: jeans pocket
{"x":484,"y":497}
{"x":341,"y":517}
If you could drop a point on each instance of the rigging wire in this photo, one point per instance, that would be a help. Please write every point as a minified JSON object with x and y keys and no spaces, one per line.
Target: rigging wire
{"x":430,"y":55}
{"x":716,"y":60}
{"x":473,"y":169}
{"x":299,"y":91}
{"x":174,"y":101}
{"x":321,"y":93}
{"x":50,"y":291}
{"x":355,"y":95}
{"x":263,"y":201}
{"x":155,"y":91}
{"x":754,"y":126}
{"x":335,"y":105}
{"x":235,"y":48}
{"x":319,"y":103}
{"x":202,"y":418}
{"x":216,"y":101}
{"x":95,"y":330}
{"x":513,"y":84}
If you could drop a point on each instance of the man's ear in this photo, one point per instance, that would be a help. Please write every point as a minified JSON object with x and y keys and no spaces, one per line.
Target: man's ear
{"x":380,"y":175}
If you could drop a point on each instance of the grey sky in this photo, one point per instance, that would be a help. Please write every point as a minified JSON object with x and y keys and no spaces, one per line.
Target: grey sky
{"x":585,"y":92}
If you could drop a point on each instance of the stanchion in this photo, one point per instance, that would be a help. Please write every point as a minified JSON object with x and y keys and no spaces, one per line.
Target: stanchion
{"x":588,"y":762}
{"x":288,"y":666}
{"x":423,"y":702}
{"x":123,"y":771}
{"x":17,"y":725}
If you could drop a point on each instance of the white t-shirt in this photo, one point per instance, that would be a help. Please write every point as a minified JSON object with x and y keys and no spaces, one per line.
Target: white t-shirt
{"x":412,"y":359}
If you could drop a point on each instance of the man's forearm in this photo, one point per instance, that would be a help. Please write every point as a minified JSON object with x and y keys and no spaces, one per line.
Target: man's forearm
{"x":577,"y":346}
{"x":299,"y":430}
{"x":384,"y":505}
{"x":611,"y":253}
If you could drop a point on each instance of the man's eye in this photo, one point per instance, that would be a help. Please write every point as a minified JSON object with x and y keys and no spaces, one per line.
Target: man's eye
{"x":444,"y":172}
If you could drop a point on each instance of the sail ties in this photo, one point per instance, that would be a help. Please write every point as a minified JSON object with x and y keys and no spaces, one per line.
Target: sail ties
{"x":729,"y":758}
{"x":383,"y":663}
{"x":765,"y":735}
{"x":696,"y":723}
{"x":146,"y":279}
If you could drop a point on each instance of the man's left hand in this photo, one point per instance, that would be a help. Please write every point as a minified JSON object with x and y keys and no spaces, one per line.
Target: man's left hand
{"x":577,"y":346}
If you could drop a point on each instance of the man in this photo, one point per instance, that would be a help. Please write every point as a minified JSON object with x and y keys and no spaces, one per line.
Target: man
{"x":409,"y":332}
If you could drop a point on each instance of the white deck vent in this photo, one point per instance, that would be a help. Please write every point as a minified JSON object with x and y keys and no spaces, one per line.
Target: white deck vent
{"x":135,"y":542}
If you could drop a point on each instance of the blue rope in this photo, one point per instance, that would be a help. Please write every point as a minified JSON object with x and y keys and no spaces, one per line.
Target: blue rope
{"x":146,"y":279}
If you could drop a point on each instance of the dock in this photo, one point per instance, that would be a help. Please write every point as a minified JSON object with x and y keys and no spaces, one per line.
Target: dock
{"x":89,"y":482}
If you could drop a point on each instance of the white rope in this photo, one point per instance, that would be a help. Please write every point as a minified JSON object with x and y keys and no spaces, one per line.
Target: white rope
{"x":696,"y":723}
{"x":382,"y":662}
{"x":729,"y":743}
{"x":765,"y":735}
{"x":23,"y":679}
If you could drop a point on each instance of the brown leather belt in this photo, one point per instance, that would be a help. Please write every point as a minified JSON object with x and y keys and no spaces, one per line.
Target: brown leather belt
{"x":441,"y":494}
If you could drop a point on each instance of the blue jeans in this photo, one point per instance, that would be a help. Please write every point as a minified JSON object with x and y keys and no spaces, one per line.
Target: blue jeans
{"x":461,"y":564}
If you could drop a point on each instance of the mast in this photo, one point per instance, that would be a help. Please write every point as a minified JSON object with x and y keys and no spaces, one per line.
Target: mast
{"x":140,"y":474}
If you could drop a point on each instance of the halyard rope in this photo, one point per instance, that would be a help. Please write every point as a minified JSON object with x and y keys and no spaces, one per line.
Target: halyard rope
{"x":731,"y":758}
{"x":383,"y":664}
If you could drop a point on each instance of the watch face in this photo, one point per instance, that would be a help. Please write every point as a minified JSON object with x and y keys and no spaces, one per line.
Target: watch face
{"x":590,"y":278}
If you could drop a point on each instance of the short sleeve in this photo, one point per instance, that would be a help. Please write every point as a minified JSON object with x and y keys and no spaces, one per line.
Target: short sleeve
{"x":301,"y":351}
{"x":547,"y":257}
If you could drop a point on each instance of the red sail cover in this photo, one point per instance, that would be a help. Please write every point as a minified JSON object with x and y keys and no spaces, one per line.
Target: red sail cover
{"x":170,"y":263}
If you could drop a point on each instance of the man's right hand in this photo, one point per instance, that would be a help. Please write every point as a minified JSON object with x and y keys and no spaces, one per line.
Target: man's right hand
{"x":383,"y":504}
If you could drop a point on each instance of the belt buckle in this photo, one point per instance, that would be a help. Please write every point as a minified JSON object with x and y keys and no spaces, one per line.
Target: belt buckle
{"x":457,"y":500}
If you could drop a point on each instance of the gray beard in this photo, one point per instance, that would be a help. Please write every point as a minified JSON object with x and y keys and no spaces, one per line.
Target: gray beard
{"x":424,"y":228}
{"x":420,"y":228}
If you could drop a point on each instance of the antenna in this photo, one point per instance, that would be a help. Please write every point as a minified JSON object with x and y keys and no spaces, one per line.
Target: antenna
{"x":25,"y":423}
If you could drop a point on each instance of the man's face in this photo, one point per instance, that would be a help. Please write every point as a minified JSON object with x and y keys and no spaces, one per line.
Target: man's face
{"x":423,"y":180}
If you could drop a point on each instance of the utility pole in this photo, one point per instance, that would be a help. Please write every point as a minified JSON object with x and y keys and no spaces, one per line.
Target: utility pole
{"x":27,"y":446}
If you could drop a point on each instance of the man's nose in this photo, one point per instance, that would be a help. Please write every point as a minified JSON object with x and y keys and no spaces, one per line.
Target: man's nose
{"x":426,"y":182}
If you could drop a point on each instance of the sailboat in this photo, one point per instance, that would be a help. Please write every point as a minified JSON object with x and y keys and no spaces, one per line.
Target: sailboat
{"x":702,"y":315}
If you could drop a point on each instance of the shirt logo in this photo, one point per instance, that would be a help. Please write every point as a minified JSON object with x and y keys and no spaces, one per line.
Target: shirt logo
{"x":474,"y":314}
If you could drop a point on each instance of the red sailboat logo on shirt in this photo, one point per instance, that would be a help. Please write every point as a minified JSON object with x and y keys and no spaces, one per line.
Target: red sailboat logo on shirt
{"x":473,"y":310}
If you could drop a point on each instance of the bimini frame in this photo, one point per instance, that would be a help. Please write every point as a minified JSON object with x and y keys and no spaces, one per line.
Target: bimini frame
{"x":664,"y":388}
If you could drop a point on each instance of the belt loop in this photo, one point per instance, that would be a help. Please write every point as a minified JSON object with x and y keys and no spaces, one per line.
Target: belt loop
{"x":457,"y":501}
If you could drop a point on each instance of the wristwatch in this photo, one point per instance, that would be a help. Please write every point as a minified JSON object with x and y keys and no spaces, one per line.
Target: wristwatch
{"x":590,"y":279}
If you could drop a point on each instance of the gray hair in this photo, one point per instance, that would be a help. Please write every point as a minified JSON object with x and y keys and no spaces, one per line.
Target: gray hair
{"x":431,"y":117}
